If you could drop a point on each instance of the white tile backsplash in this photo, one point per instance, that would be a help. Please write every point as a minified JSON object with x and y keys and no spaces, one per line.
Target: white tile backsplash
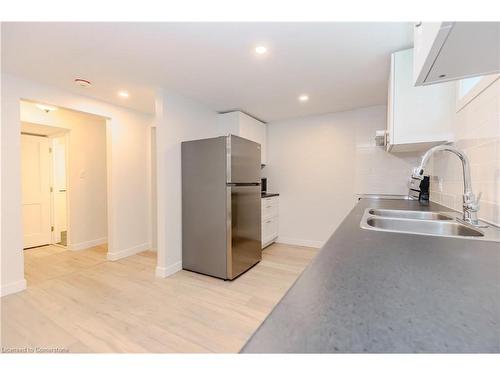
{"x":378,"y":171}
{"x":477,"y":131}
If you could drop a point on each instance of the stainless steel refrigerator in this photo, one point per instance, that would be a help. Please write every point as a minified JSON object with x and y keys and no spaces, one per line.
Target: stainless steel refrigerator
{"x":221,"y":206}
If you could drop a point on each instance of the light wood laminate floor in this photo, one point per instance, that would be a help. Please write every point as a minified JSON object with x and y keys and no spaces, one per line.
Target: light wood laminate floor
{"x":81,"y":302}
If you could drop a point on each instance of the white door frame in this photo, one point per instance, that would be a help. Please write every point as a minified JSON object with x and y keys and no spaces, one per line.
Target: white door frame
{"x":66,"y":136}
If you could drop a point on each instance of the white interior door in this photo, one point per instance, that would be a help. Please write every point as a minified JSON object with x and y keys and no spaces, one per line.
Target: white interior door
{"x":35,"y":190}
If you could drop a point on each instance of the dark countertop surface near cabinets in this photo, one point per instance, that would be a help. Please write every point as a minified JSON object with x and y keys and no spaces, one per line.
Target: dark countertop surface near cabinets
{"x":381,"y":292}
{"x":269,"y":195}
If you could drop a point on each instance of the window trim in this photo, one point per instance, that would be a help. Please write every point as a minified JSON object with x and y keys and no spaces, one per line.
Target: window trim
{"x":478,"y":88}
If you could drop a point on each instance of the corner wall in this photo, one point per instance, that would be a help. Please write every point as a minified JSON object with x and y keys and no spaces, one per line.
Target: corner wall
{"x":318,"y":165}
{"x":177,"y":119}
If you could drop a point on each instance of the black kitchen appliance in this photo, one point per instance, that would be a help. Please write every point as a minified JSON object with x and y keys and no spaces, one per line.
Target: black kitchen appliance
{"x":263,"y":185}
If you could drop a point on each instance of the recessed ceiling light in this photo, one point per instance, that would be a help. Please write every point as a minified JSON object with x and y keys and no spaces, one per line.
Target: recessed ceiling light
{"x":303,"y":98}
{"x":83,"y":82}
{"x":123,"y":94}
{"x":46,"y":108}
{"x":260,"y":50}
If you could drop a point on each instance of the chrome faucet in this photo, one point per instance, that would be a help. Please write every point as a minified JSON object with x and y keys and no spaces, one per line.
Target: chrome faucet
{"x":470,"y":202}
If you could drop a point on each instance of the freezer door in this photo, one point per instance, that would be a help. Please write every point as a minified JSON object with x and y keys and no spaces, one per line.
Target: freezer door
{"x":244,"y":229}
{"x":243,"y":160}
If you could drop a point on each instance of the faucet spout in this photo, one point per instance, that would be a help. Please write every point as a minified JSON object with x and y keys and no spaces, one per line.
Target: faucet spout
{"x":470,"y":202}
{"x":461,"y":155}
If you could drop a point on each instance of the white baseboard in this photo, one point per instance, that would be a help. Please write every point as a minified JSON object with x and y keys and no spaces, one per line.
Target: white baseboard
{"x":128,"y":252}
{"x":167,"y":271}
{"x":14,"y":287}
{"x":299,"y":242}
{"x":86,"y":244}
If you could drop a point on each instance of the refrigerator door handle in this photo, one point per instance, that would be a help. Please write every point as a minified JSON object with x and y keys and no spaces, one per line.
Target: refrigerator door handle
{"x":243,"y":184}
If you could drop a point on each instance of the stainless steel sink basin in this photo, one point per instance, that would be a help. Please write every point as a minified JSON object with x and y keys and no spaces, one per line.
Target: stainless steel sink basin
{"x":437,"y":228}
{"x":427,"y":223}
{"x":407,"y":214}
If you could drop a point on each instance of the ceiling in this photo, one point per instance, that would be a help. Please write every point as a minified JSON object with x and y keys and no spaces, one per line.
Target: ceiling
{"x":38,"y":129}
{"x":339,"y":65}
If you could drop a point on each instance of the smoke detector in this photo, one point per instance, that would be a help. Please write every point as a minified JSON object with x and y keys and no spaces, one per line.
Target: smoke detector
{"x":83,"y":82}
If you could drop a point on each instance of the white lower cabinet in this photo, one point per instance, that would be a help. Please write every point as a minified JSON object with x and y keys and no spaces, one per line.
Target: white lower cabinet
{"x":270,"y":222}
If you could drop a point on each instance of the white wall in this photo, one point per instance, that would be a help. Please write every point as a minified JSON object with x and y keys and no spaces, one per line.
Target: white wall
{"x":86,"y":171}
{"x":177,"y":119}
{"x":319,"y":163}
{"x":476,"y":130}
{"x":21,"y":283}
{"x":127,"y":160}
{"x":153,"y":187}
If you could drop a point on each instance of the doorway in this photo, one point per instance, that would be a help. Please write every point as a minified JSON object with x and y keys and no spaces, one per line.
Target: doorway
{"x":44,"y":185}
{"x":44,"y":189}
{"x":64,"y":178}
{"x":36,"y":195}
{"x":59,"y":198}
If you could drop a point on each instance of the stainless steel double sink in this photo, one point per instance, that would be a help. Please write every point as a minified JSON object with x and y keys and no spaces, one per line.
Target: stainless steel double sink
{"x":429,"y":223}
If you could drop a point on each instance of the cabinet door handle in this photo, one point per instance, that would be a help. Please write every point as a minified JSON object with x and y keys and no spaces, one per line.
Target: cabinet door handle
{"x":267,"y":222}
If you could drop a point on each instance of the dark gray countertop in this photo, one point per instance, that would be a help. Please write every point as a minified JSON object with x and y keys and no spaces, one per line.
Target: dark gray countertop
{"x":268,"y":195}
{"x":369,"y":291}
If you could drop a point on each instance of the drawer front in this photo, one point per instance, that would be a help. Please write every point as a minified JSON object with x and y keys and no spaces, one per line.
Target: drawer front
{"x":269,"y":207}
{"x":269,"y":230}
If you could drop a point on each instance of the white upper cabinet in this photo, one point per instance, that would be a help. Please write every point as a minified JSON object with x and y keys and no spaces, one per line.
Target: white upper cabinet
{"x":245,"y":126}
{"x":417,"y":117}
{"x":446,"y":51}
